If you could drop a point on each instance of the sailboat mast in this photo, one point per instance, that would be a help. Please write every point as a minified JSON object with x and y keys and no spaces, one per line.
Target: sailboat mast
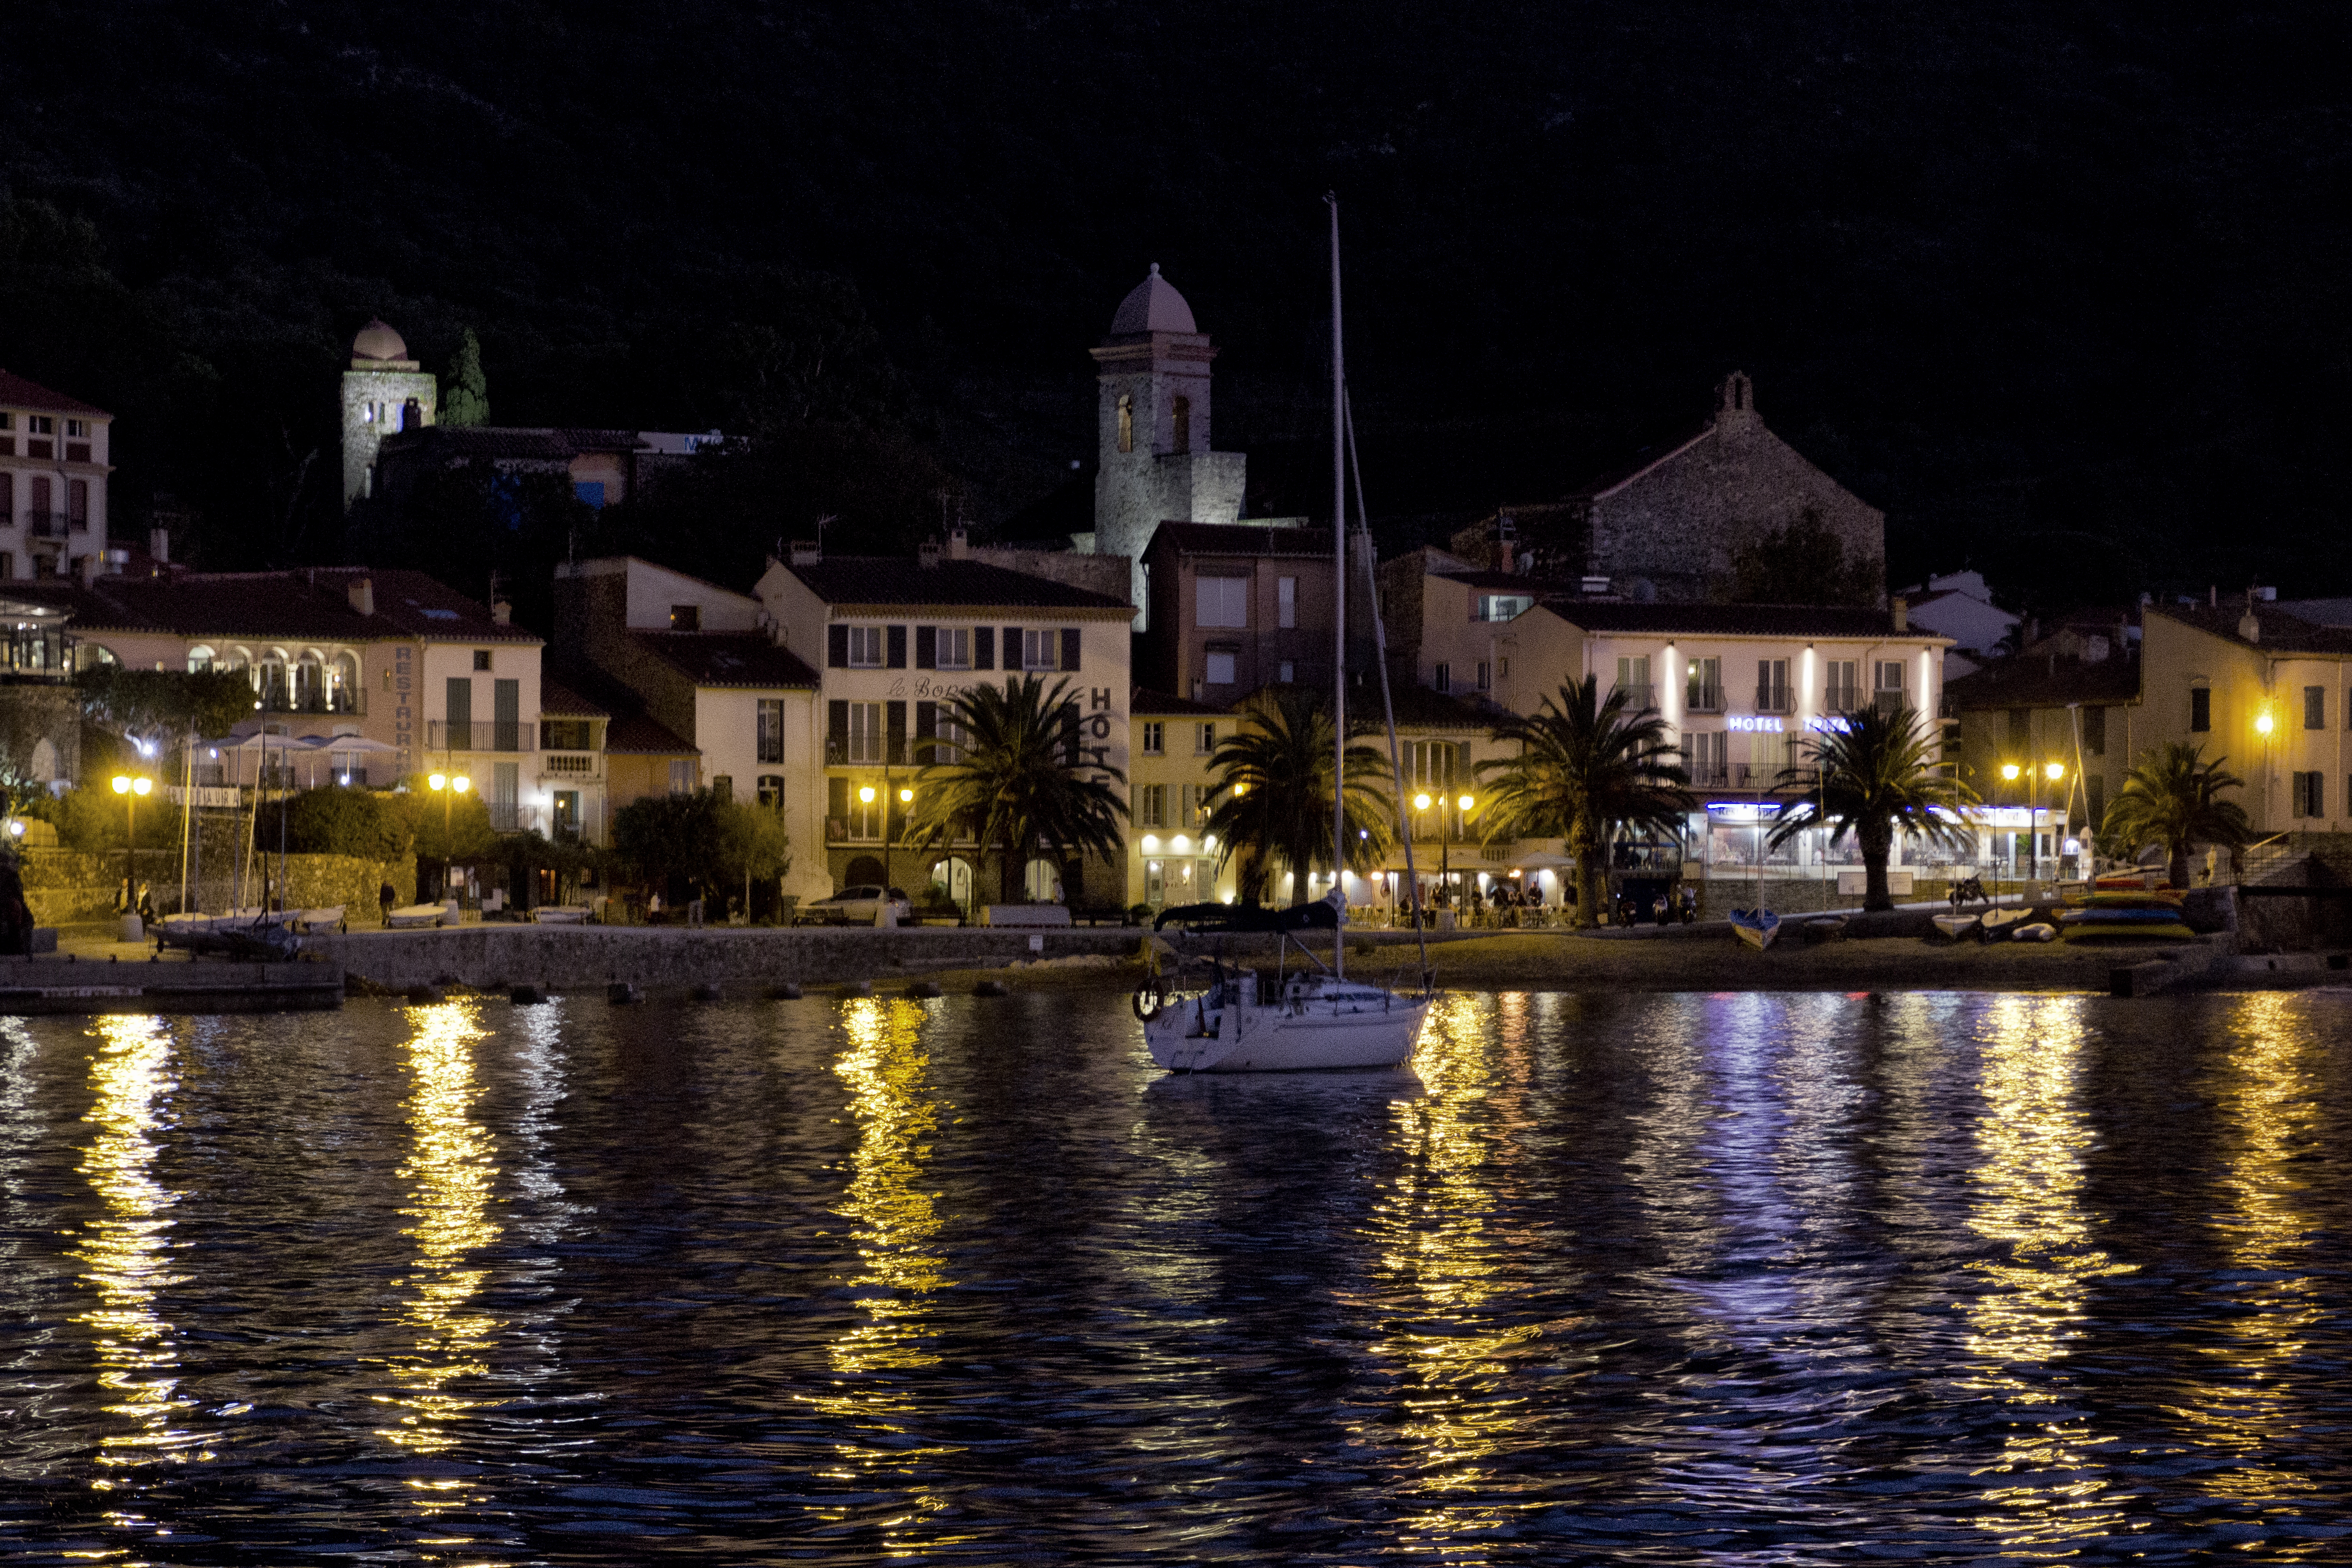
{"x":1339,"y":600}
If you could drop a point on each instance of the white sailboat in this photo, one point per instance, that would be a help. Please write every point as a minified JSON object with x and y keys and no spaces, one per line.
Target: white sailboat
{"x":1309,"y":1021}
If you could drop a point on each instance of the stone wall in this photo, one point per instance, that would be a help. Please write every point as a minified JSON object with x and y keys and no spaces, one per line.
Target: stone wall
{"x":747,"y":961}
{"x":65,"y":887}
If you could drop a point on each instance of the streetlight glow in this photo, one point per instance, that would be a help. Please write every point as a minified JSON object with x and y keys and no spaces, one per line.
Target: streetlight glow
{"x":461,"y":783}
{"x":121,"y":784}
{"x":2009,"y":771}
{"x":906,"y":797}
{"x":1420,"y":801}
{"x":2262,"y":723}
{"x":2055,"y":772}
{"x":1465,"y":802}
{"x":439,"y":781}
{"x":865,"y":795}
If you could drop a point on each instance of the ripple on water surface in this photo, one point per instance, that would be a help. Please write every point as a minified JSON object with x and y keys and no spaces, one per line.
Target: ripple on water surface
{"x":1692,"y":1279}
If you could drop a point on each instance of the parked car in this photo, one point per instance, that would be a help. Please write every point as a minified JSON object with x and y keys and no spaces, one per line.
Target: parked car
{"x":853,"y":907}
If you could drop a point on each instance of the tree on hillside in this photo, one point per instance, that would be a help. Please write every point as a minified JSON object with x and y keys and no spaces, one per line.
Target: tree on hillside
{"x":1878,"y":774}
{"x":1011,"y":779}
{"x":1272,"y":802}
{"x":1588,"y":768}
{"x":2172,"y":798}
{"x":1803,"y":564}
{"x":466,"y":392}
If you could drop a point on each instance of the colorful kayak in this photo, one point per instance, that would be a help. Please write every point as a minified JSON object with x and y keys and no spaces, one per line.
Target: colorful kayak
{"x":1756,"y":928}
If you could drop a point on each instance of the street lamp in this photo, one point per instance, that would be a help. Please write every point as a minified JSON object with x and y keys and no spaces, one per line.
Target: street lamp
{"x":2034,"y":773}
{"x":1465,"y":802}
{"x":130,"y":789}
{"x":448,"y":788}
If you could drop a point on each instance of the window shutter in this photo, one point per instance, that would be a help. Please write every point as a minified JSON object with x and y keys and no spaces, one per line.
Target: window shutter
{"x":1069,"y":648}
{"x":894,"y":726}
{"x":983,"y":647}
{"x":927,"y":723}
{"x":897,"y":645}
{"x":836,"y":798}
{"x":836,"y":648}
{"x":927,"y":647}
{"x":1012,"y":652}
{"x":836,"y":732}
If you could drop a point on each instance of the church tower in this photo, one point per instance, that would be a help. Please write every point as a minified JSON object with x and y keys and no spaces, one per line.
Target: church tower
{"x":383,"y":393}
{"x":1155,"y":465}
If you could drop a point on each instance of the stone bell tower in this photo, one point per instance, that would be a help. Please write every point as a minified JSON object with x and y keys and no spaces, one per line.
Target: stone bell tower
{"x":1154,"y":464}
{"x":385,"y":392}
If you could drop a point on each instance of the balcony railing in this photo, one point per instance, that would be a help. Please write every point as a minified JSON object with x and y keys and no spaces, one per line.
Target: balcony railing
{"x":855,"y":753}
{"x":570,"y":765}
{"x":1710,"y":778}
{"x":1888,"y":703}
{"x":512,"y":816}
{"x":1640,"y":698}
{"x":443,"y":736}
{"x":49,"y":524}
{"x":348,"y":700}
{"x":1705,"y":699}
{"x":1772,"y":699}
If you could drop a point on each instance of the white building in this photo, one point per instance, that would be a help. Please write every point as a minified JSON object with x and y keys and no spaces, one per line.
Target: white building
{"x":894,"y":639}
{"x":53,"y":465}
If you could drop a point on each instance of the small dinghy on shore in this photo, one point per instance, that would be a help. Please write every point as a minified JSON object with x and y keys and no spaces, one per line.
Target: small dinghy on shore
{"x":1756,"y":928}
{"x":1954,"y":926}
{"x":2040,"y":931}
{"x":2000,"y":925}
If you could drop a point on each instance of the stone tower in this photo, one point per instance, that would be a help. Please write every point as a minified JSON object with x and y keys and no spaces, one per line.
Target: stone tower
{"x":1155,"y":464}
{"x":383,"y":392}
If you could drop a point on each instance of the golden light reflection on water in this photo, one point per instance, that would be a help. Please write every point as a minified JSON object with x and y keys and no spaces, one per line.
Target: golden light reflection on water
{"x":2266,"y":1111}
{"x":1442,"y":1264}
{"x":126,"y":1251}
{"x":451,"y":1172}
{"x":895,"y":1222}
{"x":2031,"y":1140}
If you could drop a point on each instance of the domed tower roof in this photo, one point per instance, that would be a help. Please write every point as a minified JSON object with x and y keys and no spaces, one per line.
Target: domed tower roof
{"x":378,"y":343}
{"x":1153,"y":306}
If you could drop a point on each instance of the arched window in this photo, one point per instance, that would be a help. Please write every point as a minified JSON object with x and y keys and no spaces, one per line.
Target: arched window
{"x":200,"y":658}
{"x":1126,"y":421}
{"x":269,"y":681}
{"x":310,"y":682}
{"x":1184,"y":423}
{"x":1039,"y":879}
{"x":344,"y":684}
{"x":94,"y":656}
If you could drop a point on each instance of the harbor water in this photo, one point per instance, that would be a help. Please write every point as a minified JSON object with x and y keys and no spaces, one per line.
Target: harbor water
{"x":1745,"y":1278}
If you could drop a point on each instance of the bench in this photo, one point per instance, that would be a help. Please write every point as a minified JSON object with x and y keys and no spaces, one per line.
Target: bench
{"x":1025,"y":917}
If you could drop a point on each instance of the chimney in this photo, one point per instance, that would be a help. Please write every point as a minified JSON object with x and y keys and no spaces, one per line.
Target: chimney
{"x":2248,"y":627}
{"x":1902,"y":613}
{"x":927,"y":554}
{"x":1504,"y":556}
{"x":159,"y":545}
{"x":958,"y":544}
{"x":806,"y":553}
{"x":501,"y":611}
{"x":361,"y":591}
{"x":86,"y":568}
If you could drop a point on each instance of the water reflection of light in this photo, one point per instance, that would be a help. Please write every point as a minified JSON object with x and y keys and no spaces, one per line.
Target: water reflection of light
{"x":2267,"y":1111}
{"x":125,"y":1251}
{"x":895,"y":1218}
{"x":451,"y":1172}
{"x":2031,"y":1141}
{"x":1441,"y":1264}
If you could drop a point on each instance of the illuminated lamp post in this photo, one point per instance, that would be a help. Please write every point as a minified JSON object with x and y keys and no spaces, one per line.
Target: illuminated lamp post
{"x":448,"y":787}
{"x":130,"y":789}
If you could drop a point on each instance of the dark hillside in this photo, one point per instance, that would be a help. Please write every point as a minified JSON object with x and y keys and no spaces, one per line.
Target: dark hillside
{"x":2062,"y":288}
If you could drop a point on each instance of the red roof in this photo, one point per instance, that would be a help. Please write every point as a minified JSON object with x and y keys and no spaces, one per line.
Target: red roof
{"x":16,"y":391}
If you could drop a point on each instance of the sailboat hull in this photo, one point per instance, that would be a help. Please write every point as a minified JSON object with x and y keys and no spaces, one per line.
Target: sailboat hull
{"x":1364,"y":1027}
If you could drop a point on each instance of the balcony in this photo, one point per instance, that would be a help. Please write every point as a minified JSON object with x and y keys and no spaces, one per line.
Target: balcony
{"x":1706,"y":777}
{"x":1774,"y":700}
{"x":571,"y":766}
{"x":1639,"y":698}
{"x":1888,"y":703}
{"x":48,"y":524}
{"x":866,"y":752}
{"x":442,"y":736}
{"x":1704,"y":698}
{"x":348,"y":699}
{"x":512,"y":816}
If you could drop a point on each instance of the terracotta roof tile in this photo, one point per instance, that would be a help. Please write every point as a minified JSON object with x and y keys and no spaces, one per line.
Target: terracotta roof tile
{"x":896,"y":580}
{"x":728,"y":658}
{"x":18,"y":392}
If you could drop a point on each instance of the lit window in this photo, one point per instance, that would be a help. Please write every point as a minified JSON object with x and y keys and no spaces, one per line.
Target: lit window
{"x":1217,"y":669}
{"x":1204,"y":739}
{"x":1285,"y":603}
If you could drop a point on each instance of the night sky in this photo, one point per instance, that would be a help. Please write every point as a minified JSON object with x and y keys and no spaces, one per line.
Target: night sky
{"x":2062,"y":288}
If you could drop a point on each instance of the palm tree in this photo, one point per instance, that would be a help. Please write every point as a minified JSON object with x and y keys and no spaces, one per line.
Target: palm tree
{"x":1878,"y":773}
{"x":1587,"y":768}
{"x":1011,"y":778}
{"x":1273,"y":793}
{"x":2169,"y":799}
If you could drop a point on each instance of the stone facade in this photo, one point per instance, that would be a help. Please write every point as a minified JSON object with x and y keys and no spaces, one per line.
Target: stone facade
{"x":1153,"y":423}
{"x":377,"y":391}
{"x":1667,"y":525}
